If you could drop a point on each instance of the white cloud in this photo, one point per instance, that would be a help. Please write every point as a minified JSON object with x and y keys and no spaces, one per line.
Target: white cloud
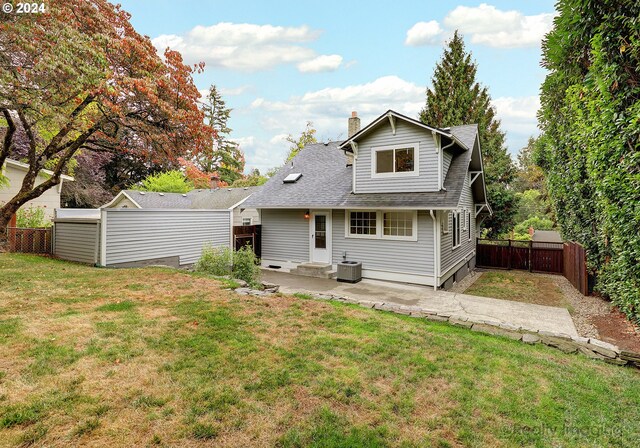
{"x":424,"y":33}
{"x":485,"y":25}
{"x":323,"y":63}
{"x":519,"y":119}
{"x":233,"y":91}
{"x":329,"y":110}
{"x":245,"y":46}
{"x":490,"y":26}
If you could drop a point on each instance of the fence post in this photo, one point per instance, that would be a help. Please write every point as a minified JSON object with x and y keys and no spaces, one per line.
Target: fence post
{"x":510,"y":252}
{"x":530,"y":256}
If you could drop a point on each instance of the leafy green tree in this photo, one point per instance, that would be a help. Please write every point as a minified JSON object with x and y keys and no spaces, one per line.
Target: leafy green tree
{"x":590,"y":147}
{"x":307,"y":137}
{"x":252,"y":180}
{"x":456,"y":98}
{"x":224,"y":157}
{"x":529,"y":175}
{"x":167,"y":182}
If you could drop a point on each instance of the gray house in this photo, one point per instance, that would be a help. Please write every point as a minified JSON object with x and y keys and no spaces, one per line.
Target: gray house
{"x":218,"y":199}
{"x":403,"y":198}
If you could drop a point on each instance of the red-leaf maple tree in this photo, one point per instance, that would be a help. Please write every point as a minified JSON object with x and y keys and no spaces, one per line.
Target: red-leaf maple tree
{"x":79,"y":77}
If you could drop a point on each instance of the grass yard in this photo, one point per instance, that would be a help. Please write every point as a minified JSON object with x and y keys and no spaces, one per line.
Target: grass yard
{"x":519,"y":286}
{"x":155,"y":357}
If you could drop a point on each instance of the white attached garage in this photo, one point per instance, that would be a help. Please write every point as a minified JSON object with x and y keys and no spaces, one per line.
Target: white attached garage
{"x":139,"y":237}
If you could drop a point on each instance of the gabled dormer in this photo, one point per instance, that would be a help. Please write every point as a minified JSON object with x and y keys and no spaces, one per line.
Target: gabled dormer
{"x":397,"y":154}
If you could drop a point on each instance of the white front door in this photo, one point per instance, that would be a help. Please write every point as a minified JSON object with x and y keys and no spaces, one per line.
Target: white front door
{"x":320,"y":236}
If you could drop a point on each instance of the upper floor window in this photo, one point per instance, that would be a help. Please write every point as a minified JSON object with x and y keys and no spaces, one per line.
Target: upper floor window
{"x":395,"y":161}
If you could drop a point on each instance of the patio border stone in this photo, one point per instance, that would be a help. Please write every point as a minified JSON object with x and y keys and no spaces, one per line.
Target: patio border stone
{"x":590,"y":347}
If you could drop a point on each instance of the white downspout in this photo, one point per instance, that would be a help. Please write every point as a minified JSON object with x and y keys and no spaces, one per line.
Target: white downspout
{"x":436,"y":261}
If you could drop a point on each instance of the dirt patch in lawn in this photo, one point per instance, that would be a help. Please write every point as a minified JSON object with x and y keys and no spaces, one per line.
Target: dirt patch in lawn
{"x":615,"y":328}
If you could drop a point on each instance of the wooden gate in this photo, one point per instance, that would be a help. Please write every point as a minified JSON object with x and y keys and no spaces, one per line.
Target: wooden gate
{"x":251,"y":235}
{"x":523,"y":255}
{"x":575,"y":267}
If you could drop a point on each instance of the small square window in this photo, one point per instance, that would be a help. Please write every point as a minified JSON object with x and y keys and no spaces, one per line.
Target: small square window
{"x":246,"y":221}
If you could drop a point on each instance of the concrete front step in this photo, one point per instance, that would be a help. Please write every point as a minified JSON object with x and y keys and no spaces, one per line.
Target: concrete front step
{"x":318,"y":270}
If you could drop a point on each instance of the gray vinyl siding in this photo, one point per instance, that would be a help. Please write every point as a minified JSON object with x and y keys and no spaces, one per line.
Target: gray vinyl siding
{"x":451,"y":256}
{"x":77,"y":241}
{"x":427,"y":180}
{"x":446,"y":163}
{"x":285,"y":235}
{"x":138,"y":235}
{"x":239,"y":214}
{"x":405,"y":257}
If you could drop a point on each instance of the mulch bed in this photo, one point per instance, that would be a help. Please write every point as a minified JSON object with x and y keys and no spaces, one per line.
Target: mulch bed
{"x":616,"y":329}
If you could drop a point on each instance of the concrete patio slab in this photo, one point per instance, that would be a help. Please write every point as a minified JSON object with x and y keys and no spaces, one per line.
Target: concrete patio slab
{"x":516,"y":314}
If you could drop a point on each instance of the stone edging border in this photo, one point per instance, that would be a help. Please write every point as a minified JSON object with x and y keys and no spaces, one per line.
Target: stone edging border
{"x":591,"y":347}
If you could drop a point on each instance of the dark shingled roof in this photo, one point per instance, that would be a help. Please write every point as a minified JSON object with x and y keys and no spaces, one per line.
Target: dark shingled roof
{"x":221,"y":198}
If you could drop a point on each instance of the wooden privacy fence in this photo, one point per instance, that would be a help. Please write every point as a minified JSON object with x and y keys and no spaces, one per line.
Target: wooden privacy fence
{"x":525,"y":255}
{"x":251,"y":235}
{"x":30,"y":241}
{"x":567,"y":259}
{"x":575,"y":267}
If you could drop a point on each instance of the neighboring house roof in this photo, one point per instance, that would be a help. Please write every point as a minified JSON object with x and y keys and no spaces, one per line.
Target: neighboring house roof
{"x":25,"y":167}
{"x":222,"y":198}
{"x":326,"y":182}
{"x":547,"y":236}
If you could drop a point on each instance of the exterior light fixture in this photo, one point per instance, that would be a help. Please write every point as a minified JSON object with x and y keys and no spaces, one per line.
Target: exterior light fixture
{"x":307,"y":214}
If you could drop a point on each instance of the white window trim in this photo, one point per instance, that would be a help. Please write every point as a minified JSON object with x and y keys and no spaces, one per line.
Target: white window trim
{"x":380,"y":226}
{"x":250,"y":221}
{"x":469,"y":229}
{"x":416,"y":161}
{"x":446,"y":223}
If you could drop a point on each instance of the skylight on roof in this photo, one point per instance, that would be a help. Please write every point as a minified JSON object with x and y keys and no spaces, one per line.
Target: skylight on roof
{"x":292,"y":178}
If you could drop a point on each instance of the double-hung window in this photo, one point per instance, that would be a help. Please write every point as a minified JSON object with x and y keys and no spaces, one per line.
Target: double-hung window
{"x":395,"y":161}
{"x":386,"y":224}
{"x":456,"y":229}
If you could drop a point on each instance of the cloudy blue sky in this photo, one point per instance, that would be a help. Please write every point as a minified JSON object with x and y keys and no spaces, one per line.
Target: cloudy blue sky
{"x":280,"y":64}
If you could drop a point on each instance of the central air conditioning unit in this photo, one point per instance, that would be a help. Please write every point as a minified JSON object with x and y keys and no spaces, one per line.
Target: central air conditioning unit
{"x":349,"y":271}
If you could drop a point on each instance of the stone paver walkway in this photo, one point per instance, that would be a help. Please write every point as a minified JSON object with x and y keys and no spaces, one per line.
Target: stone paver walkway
{"x":494,"y":311}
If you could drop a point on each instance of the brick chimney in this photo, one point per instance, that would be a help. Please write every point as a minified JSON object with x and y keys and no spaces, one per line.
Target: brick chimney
{"x":354,"y":124}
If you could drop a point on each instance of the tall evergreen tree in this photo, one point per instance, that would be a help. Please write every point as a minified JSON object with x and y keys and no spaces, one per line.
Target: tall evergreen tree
{"x":224,"y":157}
{"x":456,"y":98}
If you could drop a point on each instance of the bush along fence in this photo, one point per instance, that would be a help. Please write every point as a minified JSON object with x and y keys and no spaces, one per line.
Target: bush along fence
{"x":590,"y":347}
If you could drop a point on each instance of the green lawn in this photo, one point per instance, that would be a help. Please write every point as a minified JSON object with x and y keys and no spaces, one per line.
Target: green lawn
{"x":155,"y":357}
{"x":520,"y":286}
